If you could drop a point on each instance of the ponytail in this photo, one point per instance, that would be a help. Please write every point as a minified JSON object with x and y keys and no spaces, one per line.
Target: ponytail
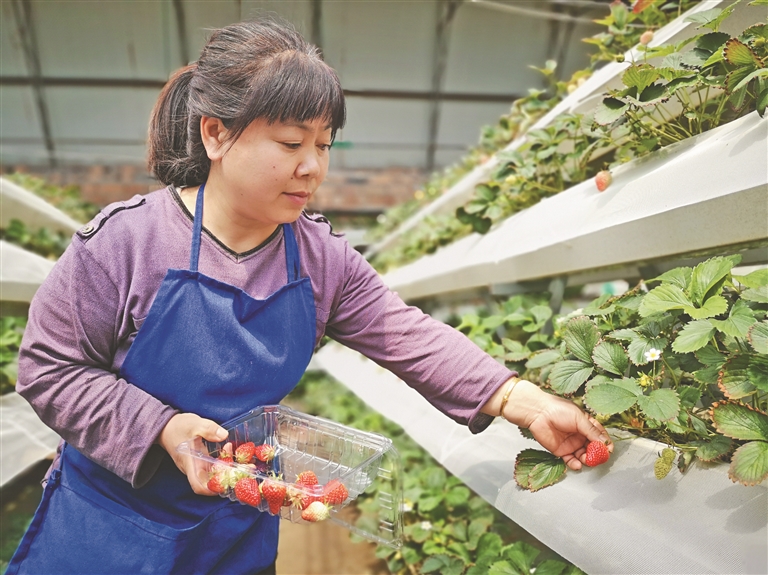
{"x":176,"y":153}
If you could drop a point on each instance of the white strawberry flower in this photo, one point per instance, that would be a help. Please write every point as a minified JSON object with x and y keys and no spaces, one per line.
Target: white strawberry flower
{"x":426,"y":526}
{"x":406,"y":507}
{"x":653,"y":354}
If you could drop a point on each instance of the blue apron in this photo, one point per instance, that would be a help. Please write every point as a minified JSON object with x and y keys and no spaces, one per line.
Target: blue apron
{"x":206,"y":347}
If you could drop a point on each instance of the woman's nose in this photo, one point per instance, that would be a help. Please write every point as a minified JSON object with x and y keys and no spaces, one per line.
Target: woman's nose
{"x":309,"y":166}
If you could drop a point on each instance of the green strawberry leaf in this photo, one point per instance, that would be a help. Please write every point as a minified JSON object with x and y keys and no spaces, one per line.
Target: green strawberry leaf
{"x":609,"y":110}
{"x":693,"y":336}
{"x":503,"y":568}
{"x":536,"y":469}
{"x":707,"y":277}
{"x":712,"y":41}
{"x":640,"y":76}
{"x":611,"y":357}
{"x":459,"y":495}
{"x":734,"y":380}
{"x":661,"y":404}
{"x":521,"y":555}
{"x":759,"y":294}
{"x":756,"y":279}
{"x":709,"y":375}
{"x":714,"y":305}
{"x":581,"y":335}
{"x":489,"y":546}
{"x":688,"y":396}
{"x":739,"y":421}
{"x":762,"y":73}
{"x":680,"y":277}
{"x":663,"y":298}
{"x":741,"y":55}
{"x":712,"y":449}
{"x":550,"y":567}
{"x":614,"y":397}
{"x":758,"y":337}
{"x":749,"y":464}
{"x":641,"y":345}
{"x":761,"y":102}
{"x":758,"y":371}
{"x":740,"y":319}
{"x":567,"y":376}
{"x":444,"y":565}
{"x":709,"y":355}
{"x":542,"y":358}
{"x":623,"y":334}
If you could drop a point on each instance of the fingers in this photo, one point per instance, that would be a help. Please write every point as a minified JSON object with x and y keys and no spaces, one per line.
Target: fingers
{"x":210,"y":430}
{"x":572,"y":461}
{"x":593,"y":430}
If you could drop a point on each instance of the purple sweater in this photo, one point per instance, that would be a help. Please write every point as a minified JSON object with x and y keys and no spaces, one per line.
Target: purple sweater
{"x":86,"y":314}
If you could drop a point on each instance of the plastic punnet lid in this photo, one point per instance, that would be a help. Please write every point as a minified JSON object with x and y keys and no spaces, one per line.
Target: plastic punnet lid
{"x":289,"y":443}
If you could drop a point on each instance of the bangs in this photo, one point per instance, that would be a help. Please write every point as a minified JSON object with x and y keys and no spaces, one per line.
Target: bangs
{"x":295,"y":87}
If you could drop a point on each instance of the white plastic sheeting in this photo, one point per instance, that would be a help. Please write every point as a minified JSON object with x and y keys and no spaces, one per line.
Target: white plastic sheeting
{"x":24,"y":438}
{"x":610,"y":520}
{"x":21,"y":273}
{"x":582,"y":100}
{"x":34,"y":211}
{"x":702,"y":193}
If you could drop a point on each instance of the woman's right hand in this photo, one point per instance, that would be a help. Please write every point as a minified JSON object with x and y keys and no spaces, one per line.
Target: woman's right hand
{"x":184,"y":427}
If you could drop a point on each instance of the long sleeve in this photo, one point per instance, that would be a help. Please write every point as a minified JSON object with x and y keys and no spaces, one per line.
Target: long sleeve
{"x":441,"y":363}
{"x":65,"y":370}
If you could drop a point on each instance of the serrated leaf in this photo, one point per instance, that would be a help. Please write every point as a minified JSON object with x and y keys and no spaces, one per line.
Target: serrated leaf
{"x":712,"y":41}
{"x":758,"y":337}
{"x":581,"y":335}
{"x":758,"y":372}
{"x":755,"y":279}
{"x":567,"y":376}
{"x":609,"y":110}
{"x":550,"y":567}
{"x":749,"y":464}
{"x":611,"y":357}
{"x":444,"y":565}
{"x":663,"y":298}
{"x":693,"y":336}
{"x":761,"y":102}
{"x":741,"y":55}
{"x":709,"y":275}
{"x":545,"y":474}
{"x":762,"y":73}
{"x":623,"y":334}
{"x":614,"y":397}
{"x":503,"y":568}
{"x":640,"y":76}
{"x":459,"y":495}
{"x":709,"y":375}
{"x":680,"y":277}
{"x":489,"y":545}
{"x":732,"y":80}
{"x":739,"y":421}
{"x":598,"y":380}
{"x":543,"y":358}
{"x":527,"y":460}
{"x":661,"y":404}
{"x":740,"y":319}
{"x":688,"y":396}
{"x":734,"y":380}
{"x":714,"y":448}
{"x":641,"y":345}
{"x":715,"y":305}
{"x":521,"y":555}
{"x":709,"y":355}
{"x":759,"y":295}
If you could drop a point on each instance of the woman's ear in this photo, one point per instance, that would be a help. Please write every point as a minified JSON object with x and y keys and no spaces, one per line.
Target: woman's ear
{"x":214,"y":136}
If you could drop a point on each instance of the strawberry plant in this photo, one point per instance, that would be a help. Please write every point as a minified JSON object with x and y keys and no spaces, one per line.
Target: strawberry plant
{"x":11,"y":332}
{"x":684,"y":363}
{"x":448,"y":529}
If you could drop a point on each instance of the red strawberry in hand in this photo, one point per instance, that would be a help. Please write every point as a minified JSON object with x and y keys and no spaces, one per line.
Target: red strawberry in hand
{"x":264,"y":452}
{"x":597,"y":453}
{"x":334,"y":492}
{"x":215,"y":484}
{"x":247,"y":491}
{"x":245,"y":452}
{"x":273,"y":492}
{"x":317,"y":511}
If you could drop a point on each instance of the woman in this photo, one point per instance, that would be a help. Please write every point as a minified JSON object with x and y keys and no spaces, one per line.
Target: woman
{"x":176,"y":311}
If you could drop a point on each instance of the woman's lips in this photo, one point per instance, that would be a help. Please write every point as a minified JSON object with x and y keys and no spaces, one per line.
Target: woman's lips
{"x":299,"y":198}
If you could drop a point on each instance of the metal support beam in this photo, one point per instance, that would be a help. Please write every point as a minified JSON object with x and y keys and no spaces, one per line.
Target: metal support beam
{"x":181,"y":27}
{"x":22,"y":12}
{"x":445,"y":12}
{"x":317,"y":24}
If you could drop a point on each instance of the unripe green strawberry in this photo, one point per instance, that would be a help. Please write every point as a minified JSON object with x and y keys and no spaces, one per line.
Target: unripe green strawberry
{"x":661,"y":468}
{"x":597,"y":453}
{"x":668,"y":455}
{"x":316,"y":511}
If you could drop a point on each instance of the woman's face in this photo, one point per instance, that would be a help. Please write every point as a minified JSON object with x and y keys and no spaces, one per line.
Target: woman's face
{"x":267,"y":176}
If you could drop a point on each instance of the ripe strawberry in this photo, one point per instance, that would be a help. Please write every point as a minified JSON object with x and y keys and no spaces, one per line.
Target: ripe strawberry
{"x":334,"y":492}
{"x":306,"y":478}
{"x":646,"y":37}
{"x":215,"y":484}
{"x":603,"y":180}
{"x":245,"y":452}
{"x":247,"y":491}
{"x":597,"y":453}
{"x":301,"y":496}
{"x":274,"y":493}
{"x":264,"y":452}
{"x":317,"y":511}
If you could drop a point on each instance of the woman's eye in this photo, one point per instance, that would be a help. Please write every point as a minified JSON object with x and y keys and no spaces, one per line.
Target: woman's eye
{"x":324,"y":147}
{"x":291,"y":145}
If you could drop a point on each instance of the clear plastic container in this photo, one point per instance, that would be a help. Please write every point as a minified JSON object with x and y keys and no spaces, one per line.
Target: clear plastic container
{"x":365,"y":463}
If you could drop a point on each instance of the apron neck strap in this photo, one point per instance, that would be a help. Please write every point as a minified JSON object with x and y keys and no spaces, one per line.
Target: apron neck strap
{"x":291,"y":247}
{"x":197,"y":229}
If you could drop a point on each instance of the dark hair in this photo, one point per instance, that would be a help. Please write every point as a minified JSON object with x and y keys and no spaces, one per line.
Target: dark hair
{"x":256,"y":69}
